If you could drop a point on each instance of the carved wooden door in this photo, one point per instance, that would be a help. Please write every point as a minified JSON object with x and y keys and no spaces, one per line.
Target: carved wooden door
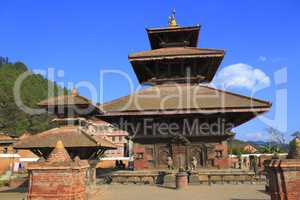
{"x":179,"y":153}
{"x":163,"y":151}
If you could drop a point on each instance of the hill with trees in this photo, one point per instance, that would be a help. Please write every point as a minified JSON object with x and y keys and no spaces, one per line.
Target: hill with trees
{"x":236,"y":147}
{"x":13,"y":120}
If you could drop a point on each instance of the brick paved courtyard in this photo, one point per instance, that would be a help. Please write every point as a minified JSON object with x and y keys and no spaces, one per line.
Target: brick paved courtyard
{"x":131,"y":192}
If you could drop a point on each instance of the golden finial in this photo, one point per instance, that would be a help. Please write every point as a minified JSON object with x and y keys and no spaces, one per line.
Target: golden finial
{"x":59,"y":145}
{"x":172,"y":19}
{"x":74,"y":93}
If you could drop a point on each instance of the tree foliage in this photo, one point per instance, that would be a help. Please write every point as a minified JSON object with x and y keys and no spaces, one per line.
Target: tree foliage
{"x":278,"y":142}
{"x":13,"y":120}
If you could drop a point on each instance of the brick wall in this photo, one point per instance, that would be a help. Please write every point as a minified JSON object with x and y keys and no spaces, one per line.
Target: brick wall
{"x":57,"y":184}
{"x":284,"y":179}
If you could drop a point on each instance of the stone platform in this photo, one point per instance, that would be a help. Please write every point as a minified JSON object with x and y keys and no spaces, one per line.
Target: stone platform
{"x":167,"y":177}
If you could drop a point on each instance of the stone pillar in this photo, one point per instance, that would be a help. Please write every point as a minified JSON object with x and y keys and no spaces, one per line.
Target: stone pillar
{"x":284,"y":175}
{"x":58,"y":177}
{"x":92,"y":172}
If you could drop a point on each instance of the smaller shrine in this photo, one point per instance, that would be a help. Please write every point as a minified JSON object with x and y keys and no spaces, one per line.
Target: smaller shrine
{"x":73,"y":113}
{"x":59,"y":177}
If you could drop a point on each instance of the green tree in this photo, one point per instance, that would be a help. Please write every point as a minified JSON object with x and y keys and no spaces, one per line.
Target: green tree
{"x":13,"y":120}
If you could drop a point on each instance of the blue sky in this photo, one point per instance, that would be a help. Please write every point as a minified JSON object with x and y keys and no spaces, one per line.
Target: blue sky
{"x":83,"y":37}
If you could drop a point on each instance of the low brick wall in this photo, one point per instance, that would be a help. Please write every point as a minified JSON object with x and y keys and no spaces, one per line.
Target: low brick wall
{"x":168,"y":177}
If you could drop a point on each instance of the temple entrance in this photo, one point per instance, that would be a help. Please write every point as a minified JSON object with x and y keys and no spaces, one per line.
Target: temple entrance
{"x":179,"y":154}
{"x":182,"y":155}
{"x":163,"y":151}
{"x":199,"y":152}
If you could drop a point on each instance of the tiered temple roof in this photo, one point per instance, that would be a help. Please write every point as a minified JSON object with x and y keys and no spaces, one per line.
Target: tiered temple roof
{"x":183,"y":98}
{"x":178,"y":72}
{"x":176,"y":52}
{"x":175,"y":57}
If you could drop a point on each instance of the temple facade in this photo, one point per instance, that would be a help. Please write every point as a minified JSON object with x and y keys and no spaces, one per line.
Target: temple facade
{"x":178,"y":119}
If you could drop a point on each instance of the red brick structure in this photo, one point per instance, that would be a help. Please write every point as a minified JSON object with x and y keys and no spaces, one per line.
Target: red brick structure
{"x":58,"y":178}
{"x":284,"y":175}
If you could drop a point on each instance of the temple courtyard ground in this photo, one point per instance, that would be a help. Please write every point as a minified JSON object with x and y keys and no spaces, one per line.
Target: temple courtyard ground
{"x":145,"y":192}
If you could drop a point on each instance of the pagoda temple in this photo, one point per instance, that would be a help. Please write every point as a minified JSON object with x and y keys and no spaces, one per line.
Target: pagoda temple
{"x":178,"y":117}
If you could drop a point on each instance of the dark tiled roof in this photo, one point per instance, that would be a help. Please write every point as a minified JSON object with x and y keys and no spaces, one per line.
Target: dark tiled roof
{"x":71,"y":136}
{"x":178,"y":97}
{"x":176,"y":52}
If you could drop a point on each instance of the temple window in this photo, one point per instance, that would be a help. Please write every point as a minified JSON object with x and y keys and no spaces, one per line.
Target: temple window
{"x":219,"y":154}
{"x":140,"y":156}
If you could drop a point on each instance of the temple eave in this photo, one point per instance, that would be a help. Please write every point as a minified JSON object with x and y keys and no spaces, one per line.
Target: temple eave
{"x":173,"y":29}
{"x":174,"y":57}
{"x":184,"y":112}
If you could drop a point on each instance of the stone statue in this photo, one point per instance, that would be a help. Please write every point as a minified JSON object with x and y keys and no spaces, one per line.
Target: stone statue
{"x":170,"y":163}
{"x":194,"y":163}
{"x":245,"y":163}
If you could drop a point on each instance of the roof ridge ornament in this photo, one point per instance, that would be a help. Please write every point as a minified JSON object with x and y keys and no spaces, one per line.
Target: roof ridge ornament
{"x":74,"y":92}
{"x":172,"y":19}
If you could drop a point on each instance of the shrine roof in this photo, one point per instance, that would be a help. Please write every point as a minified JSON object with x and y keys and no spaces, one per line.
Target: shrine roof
{"x":6,"y":139}
{"x":176,"y":52}
{"x":182,"y":98}
{"x":64,"y":100}
{"x":59,"y":159}
{"x":71,"y":136}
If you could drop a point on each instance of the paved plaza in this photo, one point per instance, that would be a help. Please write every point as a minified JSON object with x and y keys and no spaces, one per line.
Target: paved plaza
{"x":215,"y":192}
{"x":143,"y":192}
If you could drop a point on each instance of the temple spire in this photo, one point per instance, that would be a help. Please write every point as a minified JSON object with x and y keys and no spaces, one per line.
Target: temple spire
{"x":59,"y":153}
{"x":172,"y":19}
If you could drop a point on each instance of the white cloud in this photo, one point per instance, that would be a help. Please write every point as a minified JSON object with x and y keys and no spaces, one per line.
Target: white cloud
{"x":262,"y":58}
{"x":241,"y":75}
